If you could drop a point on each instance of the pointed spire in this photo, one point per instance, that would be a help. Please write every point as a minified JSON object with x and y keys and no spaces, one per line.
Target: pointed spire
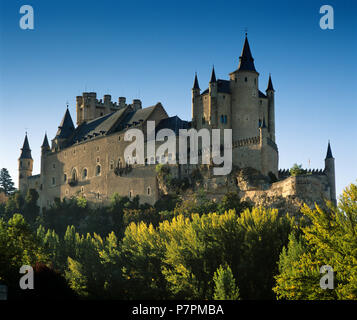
{"x":45,"y":144}
{"x":213,"y":76}
{"x":270,"y":84}
{"x":195,"y":84}
{"x":246,"y":61}
{"x":66,"y":127}
{"x":329,"y":152}
{"x":25,"y":150}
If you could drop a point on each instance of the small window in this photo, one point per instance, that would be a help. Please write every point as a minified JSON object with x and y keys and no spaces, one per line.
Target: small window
{"x":97,"y":148}
{"x":85,"y":173}
{"x":119,"y":138}
{"x":53,"y":165}
{"x":67,"y":192}
{"x":98,"y":159}
{"x":97,"y":170}
{"x":20,"y":164}
{"x":82,"y":189}
{"x":225,"y":119}
{"x":245,"y":79}
{"x":111,"y":165}
{"x":53,"y":181}
{"x":74,"y":175}
{"x":64,"y":178}
{"x":101,"y":113}
{"x":148,"y":191}
{"x":131,"y":193}
{"x":222,"y":118}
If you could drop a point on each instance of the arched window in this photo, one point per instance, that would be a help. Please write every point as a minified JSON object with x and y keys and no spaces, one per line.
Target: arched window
{"x":97,"y":170}
{"x":84,"y":173}
{"x":74,"y":174}
{"x":148,"y":190}
{"x":119,"y":163}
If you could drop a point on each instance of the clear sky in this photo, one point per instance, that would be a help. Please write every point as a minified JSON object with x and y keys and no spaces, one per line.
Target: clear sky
{"x":151,"y":50}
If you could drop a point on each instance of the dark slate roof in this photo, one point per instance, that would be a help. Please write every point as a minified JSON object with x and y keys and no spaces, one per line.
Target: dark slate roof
{"x":246,"y":61}
{"x":213,"y":76}
{"x":110,"y":123}
{"x":262,"y":95}
{"x":173,"y":123}
{"x":66,"y":127}
{"x":45,"y":143}
{"x":25,"y":150}
{"x":270,"y":85}
{"x":329,"y":152}
{"x":223,"y":86}
{"x":195,"y":84}
{"x":93,"y":128}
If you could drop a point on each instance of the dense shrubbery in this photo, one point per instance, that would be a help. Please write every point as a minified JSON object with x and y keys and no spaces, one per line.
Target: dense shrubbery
{"x":195,"y":249}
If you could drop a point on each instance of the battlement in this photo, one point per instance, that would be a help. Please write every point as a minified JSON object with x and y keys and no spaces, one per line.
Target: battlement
{"x":246,"y":142}
{"x":285,"y":173}
{"x":90,"y":108}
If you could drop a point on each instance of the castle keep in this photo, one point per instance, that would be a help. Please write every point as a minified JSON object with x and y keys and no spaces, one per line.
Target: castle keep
{"x":88,"y":159}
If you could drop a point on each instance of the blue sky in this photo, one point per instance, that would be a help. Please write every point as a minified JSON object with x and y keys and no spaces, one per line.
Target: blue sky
{"x":151,"y":50}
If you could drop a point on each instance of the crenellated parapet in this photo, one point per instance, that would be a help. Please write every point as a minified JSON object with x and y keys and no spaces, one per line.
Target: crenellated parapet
{"x":89,"y":107}
{"x":285,"y":173}
{"x":246,"y":142}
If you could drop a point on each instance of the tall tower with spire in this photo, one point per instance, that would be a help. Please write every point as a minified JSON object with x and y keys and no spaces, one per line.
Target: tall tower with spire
{"x":238,"y":104}
{"x":271,"y":108}
{"x":330,"y":172}
{"x":245,"y":95}
{"x":25,"y":165}
{"x":197,"y":112}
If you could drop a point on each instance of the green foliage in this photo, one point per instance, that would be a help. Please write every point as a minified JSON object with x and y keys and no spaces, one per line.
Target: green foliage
{"x":6,"y":183}
{"x":18,"y":246}
{"x":224,"y":284}
{"x":330,"y":239}
{"x":296,"y":170}
{"x":232,"y":201}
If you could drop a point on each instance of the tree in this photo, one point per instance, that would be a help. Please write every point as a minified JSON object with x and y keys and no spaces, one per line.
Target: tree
{"x":329,"y":239}
{"x":18,"y":246}
{"x":6,"y":183}
{"x":225,"y":287}
{"x":296,"y":170}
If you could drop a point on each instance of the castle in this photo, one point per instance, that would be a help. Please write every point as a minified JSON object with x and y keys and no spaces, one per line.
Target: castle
{"x":88,"y":160}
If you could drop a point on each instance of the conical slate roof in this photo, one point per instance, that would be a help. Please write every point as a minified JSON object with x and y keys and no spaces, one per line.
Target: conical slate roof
{"x":246,"y":61}
{"x":25,"y":150}
{"x":45,"y":144}
{"x":195,"y":84}
{"x":66,"y":127}
{"x":329,"y":152}
{"x":213,"y":76}
{"x":270,"y":85}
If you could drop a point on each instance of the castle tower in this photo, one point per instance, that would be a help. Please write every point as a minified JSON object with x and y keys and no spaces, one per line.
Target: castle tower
{"x":271,"y":109}
{"x":330,"y":173}
{"x":65,"y":130}
{"x":245,"y":96}
{"x":25,"y":165}
{"x":212,"y":106}
{"x":196,"y":104}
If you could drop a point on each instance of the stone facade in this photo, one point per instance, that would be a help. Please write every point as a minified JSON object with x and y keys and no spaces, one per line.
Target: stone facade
{"x":88,"y":160}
